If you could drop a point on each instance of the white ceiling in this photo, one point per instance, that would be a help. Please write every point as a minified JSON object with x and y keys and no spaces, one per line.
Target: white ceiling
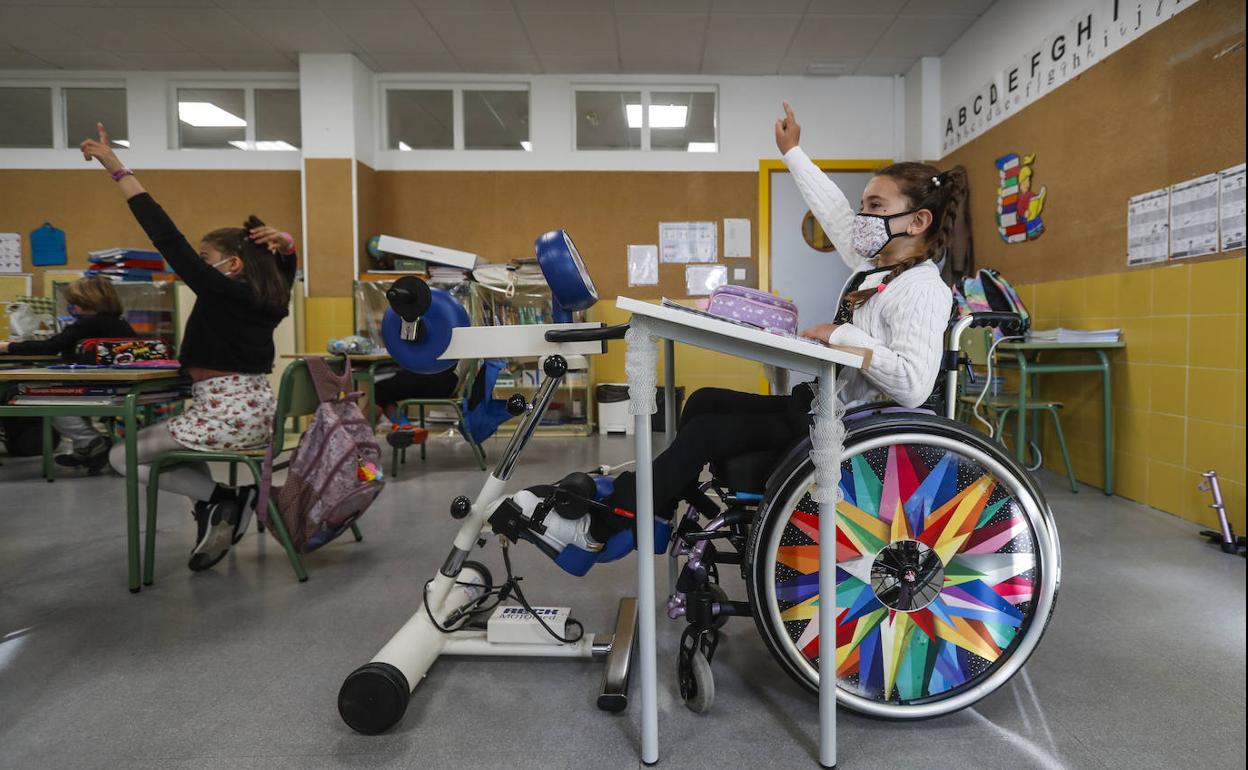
{"x":716,"y":37}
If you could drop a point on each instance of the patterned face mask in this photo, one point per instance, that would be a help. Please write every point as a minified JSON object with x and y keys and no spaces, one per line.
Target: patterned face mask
{"x":872,"y":233}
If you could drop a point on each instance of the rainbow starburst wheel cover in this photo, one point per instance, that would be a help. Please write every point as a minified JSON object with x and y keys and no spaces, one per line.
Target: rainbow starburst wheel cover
{"x":936,"y":569}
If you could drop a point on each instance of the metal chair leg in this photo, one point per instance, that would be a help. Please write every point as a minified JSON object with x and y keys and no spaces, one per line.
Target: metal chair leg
{"x":280,"y":527}
{"x":355,"y":530}
{"x":149,"y":543}
{"x":1061,"y":439}
{"x":422,"y":425}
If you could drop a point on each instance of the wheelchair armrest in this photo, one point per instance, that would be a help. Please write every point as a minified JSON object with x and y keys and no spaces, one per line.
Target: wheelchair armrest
{"x":1010,"y":323}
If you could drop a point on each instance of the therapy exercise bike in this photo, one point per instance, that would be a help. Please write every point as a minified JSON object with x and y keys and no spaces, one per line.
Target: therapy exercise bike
{"x":947,"y":557}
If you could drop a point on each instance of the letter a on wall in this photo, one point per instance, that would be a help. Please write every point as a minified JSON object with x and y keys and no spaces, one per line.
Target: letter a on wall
{"x":1018,"y":203}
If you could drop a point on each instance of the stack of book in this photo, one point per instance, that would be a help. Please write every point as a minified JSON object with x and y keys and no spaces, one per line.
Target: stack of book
{"x":1074,"y":335}
{"x":127,"y":265}
{"x":50,"y":394}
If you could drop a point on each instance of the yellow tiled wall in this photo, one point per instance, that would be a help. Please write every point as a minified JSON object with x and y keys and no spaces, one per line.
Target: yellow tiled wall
{"x":1178,"y":387}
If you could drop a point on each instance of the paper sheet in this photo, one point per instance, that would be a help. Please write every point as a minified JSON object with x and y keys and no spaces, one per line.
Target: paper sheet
{"x":701,"y":280}
{"x":643,"y":265}
{"x":1194,"y":217}
{"x":686,"y":242}
{"x":737,"y":238}
{"x":1148,"y":227}
{"x":10,"y":252}
{"x":1231,"y":207}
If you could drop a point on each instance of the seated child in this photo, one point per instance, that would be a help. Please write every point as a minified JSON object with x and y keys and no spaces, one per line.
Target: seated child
{"x":96,"y":308}
{"x":900,"y":312}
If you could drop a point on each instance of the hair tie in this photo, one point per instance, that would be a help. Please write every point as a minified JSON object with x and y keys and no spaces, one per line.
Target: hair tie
{"x":936,"y":181}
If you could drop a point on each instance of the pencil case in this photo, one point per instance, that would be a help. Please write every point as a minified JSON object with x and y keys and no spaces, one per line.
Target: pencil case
{"x":754,"y":307}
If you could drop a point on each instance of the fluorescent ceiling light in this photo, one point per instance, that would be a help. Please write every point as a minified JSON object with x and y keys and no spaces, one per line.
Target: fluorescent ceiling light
{"x":265,"y":145}
{"x":528,"y":146}
{"x":404,"y":146}
{"x":122,"y":142}
{"x":661,"y":115}
{"x":207,"y":115}
{"x":703,"y":147}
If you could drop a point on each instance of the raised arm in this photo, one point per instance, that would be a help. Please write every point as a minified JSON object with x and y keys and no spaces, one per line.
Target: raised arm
{"x":822,"y":196}
{"x":160,"y":229}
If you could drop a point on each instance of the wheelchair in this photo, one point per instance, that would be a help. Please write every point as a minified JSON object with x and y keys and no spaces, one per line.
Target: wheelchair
{"x":948,"y":563}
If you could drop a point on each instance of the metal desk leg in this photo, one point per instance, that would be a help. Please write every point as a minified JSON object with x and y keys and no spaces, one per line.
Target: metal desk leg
{"x":49,"y":467}
{"x":645,"y":591}
{"x":1020,"y":439}
{"x":827,"y":608}
{"x":669,"y":390}
{"x":370,"y":387}
{"x":132,"y":489}
{"x":1108,"y":437}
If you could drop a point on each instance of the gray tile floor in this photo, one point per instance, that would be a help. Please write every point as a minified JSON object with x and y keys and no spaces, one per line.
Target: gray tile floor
{"x":1142,"y":666}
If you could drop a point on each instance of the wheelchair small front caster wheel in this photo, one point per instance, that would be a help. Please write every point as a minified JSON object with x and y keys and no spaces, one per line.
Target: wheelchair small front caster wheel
{"x":693,"y":669}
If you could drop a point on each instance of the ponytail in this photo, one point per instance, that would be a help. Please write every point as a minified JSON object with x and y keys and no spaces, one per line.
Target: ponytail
{"x":944,"y":194}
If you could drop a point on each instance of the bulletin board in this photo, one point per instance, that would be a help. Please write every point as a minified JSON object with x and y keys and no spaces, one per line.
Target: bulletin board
{"x":498,"y":214}
{"x":1167,"y":108}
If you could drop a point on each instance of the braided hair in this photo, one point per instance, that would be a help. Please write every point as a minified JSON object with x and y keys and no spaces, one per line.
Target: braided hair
{"x":944,"y":193}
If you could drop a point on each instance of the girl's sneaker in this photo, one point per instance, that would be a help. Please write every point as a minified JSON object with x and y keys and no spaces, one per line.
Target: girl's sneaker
{"x":248,"y":496}
{"x":216,"y":523}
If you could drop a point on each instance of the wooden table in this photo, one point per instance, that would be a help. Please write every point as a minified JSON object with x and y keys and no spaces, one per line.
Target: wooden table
{"x":1029,"y":368}
{"x":376,"y":363}
{"x":140,"y":381}
{"x":9,"y":360}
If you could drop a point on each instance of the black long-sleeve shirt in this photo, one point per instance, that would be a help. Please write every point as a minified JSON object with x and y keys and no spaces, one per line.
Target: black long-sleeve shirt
{"x":84,"y":328}
{"x":229,"y":329}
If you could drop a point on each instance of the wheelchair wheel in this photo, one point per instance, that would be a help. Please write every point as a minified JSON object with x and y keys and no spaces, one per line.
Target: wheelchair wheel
{"x":947,"y":568}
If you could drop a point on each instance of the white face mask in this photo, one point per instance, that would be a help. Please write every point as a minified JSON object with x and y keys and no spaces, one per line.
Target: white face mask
{"x":222,"y":262}
{"x":872,"y":233}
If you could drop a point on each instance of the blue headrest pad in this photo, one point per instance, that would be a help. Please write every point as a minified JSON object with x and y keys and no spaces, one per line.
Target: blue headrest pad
{"x":422,"y":356}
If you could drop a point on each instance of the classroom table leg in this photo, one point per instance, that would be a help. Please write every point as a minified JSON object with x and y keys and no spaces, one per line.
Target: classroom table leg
{"x":132,"y":489}
{"x":49,"y":467}
{"x":1108,"y":438}
{"x":669,"y":391}
{"x":827,"y":592}
{"x":1020,"y":440}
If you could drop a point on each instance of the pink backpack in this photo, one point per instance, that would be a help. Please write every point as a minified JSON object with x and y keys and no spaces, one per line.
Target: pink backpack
{"x":334,"y":473}
{"x":754,"y":307}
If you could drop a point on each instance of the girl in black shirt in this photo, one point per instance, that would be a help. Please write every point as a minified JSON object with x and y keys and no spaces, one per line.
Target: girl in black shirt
{"x":241,"y":277}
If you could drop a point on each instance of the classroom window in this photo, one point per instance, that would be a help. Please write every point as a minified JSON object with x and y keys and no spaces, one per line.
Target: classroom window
{"x":496,"y":120}
{"x":277,"y":119}
{"x":212,"y":118}
{"x":27,"y":118}
{"x":683,"y":121}
{"x":418,"y":119}
{"x":84,"y":107}
{"x":603,"y":120}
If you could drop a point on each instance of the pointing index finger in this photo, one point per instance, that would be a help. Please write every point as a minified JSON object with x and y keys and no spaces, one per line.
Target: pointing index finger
{"x":103,"y":134}
{"x":788,"y":111}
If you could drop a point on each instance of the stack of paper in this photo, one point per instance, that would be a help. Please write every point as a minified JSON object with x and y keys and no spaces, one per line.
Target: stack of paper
{"x":121,"y":264}
{"x":1074,"y":335}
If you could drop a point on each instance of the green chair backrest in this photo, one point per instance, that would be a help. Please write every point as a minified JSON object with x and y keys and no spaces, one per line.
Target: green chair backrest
{"x":296,"y":396}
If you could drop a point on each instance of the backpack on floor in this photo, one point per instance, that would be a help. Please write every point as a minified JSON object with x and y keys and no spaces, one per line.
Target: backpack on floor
{"x":335,"y":471}
{"x":988,"y":290}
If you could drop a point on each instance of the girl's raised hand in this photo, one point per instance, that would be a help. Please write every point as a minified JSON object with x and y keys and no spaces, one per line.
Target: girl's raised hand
{"x":272,"y":239}
{"x":93,"y":149}
{"x":788,"y":132}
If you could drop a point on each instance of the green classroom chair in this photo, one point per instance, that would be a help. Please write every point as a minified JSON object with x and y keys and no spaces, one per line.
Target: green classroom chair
{"x":399,"y":455}
{"x":296,"y":399}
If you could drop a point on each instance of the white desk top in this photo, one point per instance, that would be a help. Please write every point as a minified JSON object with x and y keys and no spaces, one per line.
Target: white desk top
{"x":728,"y":337}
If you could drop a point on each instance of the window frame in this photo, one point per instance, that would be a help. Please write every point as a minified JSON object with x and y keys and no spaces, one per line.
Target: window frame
{"x":57,"y":86}
{"x":248,"y":87}
{"x":646,"y":89}
{"x":457,"y":89}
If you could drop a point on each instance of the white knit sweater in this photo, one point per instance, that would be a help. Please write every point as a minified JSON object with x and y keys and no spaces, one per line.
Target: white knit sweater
{"x":904,"y":325}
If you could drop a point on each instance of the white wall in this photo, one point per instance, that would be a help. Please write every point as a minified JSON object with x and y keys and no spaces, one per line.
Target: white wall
{"x":922,"y":87}
{"x":994,"y":41}
{"x":841,"y":117}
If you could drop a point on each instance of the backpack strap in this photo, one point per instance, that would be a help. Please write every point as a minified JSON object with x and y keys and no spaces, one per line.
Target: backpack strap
{"x":329,"y":386}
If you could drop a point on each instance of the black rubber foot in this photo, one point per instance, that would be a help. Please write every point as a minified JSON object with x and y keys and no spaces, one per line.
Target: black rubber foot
{"x":614,"y":703}
{"x":134,"y":590}
{"x":373,"y":698}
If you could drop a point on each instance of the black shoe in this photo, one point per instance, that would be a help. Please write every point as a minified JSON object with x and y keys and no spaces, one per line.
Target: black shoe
{"x":248,"y":496}
{"x":93,"y":456}
{"x":216,"y":523}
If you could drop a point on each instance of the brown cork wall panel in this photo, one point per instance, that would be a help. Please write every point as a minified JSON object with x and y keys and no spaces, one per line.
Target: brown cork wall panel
{"x":90,"y":209}
{"x":499,"y":214}
{"x":366,"y":200}
{"x":331,"y":217}
{"x":1168,"y":107}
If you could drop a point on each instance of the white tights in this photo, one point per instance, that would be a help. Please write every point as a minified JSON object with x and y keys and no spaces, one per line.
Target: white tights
{"x":193,"y":480}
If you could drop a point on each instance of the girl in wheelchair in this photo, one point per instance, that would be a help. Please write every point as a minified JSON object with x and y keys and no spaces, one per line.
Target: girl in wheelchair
{"x":896,"y":304}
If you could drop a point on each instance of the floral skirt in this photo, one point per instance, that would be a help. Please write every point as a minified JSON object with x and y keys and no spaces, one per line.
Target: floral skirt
{"x":227,"y":413}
